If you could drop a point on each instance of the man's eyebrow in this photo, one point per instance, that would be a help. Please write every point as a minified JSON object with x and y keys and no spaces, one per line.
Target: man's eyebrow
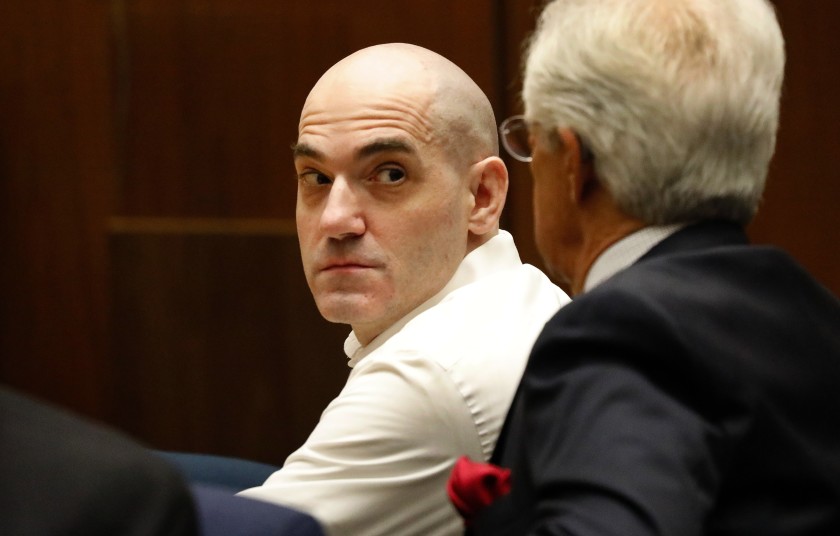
{"x":301,"y":149}
{"x":385,"y":145}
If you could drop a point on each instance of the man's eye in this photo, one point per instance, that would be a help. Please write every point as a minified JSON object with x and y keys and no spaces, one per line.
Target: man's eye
{"x":390,"y":175}
{"x":314,"y":178}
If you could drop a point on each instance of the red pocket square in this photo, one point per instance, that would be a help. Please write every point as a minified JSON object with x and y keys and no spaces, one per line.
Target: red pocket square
{"x":473,"y":486}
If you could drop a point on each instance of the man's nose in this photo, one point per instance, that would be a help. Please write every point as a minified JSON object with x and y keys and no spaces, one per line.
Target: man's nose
{"x":343,"y":214}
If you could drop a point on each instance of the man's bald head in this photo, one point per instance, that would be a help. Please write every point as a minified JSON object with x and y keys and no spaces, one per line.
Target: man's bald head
{"x":449,"y":108}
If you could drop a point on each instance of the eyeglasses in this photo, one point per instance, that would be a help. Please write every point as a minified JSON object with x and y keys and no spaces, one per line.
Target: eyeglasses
{"x":515,"y":137}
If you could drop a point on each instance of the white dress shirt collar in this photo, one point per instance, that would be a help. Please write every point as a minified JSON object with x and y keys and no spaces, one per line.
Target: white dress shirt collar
{"x":626,"y":251}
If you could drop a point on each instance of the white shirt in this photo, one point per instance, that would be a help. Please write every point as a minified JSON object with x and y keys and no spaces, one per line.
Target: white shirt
{"x":626,"y":251}
{"x":433,"y":387}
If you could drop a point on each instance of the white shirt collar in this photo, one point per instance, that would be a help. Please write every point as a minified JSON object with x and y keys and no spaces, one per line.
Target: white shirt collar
{"x":498,"y":253}
{"x":626,"y":251}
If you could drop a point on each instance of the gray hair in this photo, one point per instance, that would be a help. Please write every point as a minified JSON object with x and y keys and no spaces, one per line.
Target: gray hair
{"x":677,"y":99}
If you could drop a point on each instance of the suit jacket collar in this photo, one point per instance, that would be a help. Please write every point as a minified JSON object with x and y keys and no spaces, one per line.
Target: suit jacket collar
{"x":702,"y":235}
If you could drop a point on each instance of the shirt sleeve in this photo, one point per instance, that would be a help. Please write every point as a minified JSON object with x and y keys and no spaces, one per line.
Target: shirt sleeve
{"x":378,"y":460}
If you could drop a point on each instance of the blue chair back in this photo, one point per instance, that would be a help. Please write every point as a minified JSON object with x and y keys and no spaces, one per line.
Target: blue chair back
{"x":234,"y":474}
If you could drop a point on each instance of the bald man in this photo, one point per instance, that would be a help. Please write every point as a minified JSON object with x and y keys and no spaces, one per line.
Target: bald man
{"x":400,"y":189}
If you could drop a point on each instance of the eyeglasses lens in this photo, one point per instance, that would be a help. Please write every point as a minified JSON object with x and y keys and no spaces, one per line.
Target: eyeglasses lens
{"x":515,"y":138}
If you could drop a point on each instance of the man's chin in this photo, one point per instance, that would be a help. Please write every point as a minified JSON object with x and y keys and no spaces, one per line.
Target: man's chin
{"x":347,"y":309}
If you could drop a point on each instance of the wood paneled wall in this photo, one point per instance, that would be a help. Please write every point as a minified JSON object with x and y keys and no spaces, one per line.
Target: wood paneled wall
{"x":150,"y":274}
{"x":799,"y":212}
{"x":57,"y":176}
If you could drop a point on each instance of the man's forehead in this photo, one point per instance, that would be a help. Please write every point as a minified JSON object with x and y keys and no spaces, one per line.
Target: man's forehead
{"x":384,"y":86}
{"x":368,"y":106}
{"x":391,"y":92}
{"x":364,"y":128}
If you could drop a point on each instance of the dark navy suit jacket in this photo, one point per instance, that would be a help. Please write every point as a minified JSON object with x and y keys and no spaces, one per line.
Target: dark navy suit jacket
{"x":696,"y":392}
{"x":62,"y":475}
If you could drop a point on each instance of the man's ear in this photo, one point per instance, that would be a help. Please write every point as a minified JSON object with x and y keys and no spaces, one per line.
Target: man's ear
{"x":488,"y":185}
{"x":577,"y":169}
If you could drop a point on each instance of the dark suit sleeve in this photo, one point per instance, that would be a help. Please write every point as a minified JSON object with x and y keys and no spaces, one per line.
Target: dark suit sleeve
{"x":62,"y":474}
{"x":628,"y":459}
{"x":618,"y":427}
